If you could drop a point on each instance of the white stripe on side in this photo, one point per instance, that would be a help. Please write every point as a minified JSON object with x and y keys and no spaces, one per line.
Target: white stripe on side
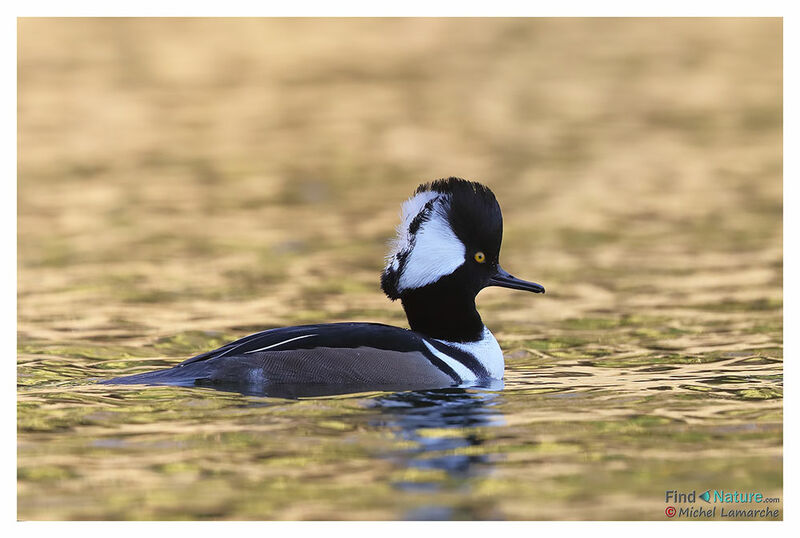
{"x":280,"y":343}
{"x":463,"y":372}
{"x":486,"y":350}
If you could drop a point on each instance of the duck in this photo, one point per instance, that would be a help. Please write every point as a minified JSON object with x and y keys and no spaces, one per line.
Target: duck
{"x":446,"y":250}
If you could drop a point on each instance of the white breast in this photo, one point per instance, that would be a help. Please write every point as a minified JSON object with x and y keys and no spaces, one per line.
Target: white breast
{"x":486,"y":350}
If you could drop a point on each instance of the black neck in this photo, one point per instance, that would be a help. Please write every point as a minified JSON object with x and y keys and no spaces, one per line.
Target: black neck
{"x":444,"y":311}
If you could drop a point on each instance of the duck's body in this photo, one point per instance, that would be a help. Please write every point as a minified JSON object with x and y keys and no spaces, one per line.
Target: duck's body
{"x":343,"y":354}
{"x":446,"y":252}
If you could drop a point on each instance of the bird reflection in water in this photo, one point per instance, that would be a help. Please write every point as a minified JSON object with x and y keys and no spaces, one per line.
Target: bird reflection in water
{"x":441,"y":426}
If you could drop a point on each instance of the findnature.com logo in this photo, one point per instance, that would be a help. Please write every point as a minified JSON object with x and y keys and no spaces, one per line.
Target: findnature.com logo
{"x":728,"y":502}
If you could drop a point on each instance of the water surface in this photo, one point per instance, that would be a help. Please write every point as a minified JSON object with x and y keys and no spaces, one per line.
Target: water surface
{"x":186,"y":182}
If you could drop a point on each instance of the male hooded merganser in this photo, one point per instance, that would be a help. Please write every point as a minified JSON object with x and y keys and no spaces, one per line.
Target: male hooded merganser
{"x":446,"y":251}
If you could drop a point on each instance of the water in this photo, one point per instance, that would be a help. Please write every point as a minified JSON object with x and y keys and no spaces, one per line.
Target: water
{"x":572,"y":440}
{"x":191,"y":182}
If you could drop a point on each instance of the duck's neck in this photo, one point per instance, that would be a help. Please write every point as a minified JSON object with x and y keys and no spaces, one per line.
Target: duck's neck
{"x":444,"y":312}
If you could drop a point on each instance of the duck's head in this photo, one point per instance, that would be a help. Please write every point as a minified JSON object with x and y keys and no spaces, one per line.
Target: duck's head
{"x":448,"y":246}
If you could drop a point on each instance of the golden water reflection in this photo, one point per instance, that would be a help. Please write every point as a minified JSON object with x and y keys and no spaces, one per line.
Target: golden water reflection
{"x":184,"y":182}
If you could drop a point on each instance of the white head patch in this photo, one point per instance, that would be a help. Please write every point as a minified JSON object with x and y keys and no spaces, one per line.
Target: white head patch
{"x":426,"y":248}
{"x":411,"y":208}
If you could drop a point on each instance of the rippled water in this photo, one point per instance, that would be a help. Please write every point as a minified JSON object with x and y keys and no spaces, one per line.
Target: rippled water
{"x":190,"y":182}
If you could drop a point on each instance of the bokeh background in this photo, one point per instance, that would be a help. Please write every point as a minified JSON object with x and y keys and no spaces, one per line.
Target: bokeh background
{"x":183,"y":182}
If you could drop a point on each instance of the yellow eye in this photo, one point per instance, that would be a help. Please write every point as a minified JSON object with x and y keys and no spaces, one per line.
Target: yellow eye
{"x":480,"y":257}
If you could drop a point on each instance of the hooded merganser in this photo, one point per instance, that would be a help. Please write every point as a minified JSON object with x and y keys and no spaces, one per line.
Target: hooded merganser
{"x":446,"y":251}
